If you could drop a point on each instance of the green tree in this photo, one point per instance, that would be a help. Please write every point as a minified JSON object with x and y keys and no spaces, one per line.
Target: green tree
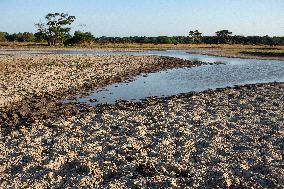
{"x":163,"y":40}
{"x":80,"y":37}
{"x":11,"y":37}
{"x":196,"y":36}
{"x":3,"y":36}
{"x":25,"y":37}
{"x":267,"y":40}
{"x":83,"y":37}
{"x":191,"y":34}
{"x":39,"y":37}
{"x":224,"y":36}
{"x":56,"y":29}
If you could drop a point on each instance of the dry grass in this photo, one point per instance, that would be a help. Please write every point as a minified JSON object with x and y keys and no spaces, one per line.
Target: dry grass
{"x":264,"y":52}
{"x":143,"y":46}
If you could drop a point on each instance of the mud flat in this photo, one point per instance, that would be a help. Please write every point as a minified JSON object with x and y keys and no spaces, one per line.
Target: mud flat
{"x":55,"y":76}
{"x":230,"y":137}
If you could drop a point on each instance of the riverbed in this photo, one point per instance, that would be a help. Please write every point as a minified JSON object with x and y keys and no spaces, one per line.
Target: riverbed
{"x":219,"y":72}
{"x":225,"y":138}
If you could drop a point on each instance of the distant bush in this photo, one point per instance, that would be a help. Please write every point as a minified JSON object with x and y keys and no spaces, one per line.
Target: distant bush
{"x":3,"y":36}
{"x":39,"y":37}
{"x":26,"y":37}
{"x":221,"y":39}
{"x":21,"y":37}
{"x":80,"y":38}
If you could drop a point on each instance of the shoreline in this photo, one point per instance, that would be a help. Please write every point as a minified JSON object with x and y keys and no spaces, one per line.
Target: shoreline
{"x":21,"y":111}
{"x":218,"y":51}
{"x":227,"y":54}
{"x":228,"y":137}
{"x":57,"y":77}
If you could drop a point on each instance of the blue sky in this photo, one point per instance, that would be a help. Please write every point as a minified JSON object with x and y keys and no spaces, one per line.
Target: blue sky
{"x":150,"y":17}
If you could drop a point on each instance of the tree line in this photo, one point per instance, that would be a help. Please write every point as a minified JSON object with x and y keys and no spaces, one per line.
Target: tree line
{"x":57,"y":26}
{"x":195,"y":37}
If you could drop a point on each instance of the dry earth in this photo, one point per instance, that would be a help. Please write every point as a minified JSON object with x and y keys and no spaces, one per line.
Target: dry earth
{"x":227,"y":138}
{"x":25,"y":77}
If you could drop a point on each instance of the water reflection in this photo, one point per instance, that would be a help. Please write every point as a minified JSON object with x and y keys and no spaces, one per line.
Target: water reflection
{"x":219,"y":73}
{"x":222,"y":72}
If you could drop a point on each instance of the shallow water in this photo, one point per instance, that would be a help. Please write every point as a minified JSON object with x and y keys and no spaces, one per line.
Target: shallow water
{"x":19,"y":52}
{"x":222,"y":72}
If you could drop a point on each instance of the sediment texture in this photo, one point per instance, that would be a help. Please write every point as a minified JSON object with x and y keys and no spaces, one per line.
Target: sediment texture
{"x":26,"y":77}
{"x":226,"y":138}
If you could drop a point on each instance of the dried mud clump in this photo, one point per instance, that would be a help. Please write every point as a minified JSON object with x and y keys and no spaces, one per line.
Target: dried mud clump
{"x":31,"y":87}
{"x":36,"y":76}
{"x":228,"y":138}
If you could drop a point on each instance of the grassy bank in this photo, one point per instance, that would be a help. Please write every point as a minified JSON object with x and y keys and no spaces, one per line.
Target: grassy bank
{"x":264,"y":52}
